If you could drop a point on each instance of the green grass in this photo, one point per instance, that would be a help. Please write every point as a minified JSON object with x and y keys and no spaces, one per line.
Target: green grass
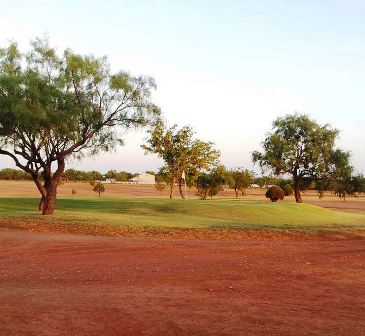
{"x":164,"y":213}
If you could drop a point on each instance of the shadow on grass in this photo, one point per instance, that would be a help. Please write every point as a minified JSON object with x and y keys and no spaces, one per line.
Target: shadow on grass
{"x":23,"y":205}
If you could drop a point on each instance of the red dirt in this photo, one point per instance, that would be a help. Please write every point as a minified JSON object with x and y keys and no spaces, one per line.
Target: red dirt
{"x":61,"y":284}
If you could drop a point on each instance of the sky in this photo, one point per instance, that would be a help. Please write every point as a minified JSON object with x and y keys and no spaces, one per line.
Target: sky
{"x":226,"y":68}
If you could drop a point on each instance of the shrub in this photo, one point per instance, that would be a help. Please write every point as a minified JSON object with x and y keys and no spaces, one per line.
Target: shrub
{"x":288,"y":190}
{"x":275,"y":193}
{"x":73,"y":191}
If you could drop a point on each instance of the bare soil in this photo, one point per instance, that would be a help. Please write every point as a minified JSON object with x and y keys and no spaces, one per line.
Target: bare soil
{"x":62,"y":284}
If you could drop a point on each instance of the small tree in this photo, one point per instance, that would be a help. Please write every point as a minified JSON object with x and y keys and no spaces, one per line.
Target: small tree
{"x":160,"y":183}
{"x":342,"y":175}
{"x":180,"y":152}
{"x":239,"y":180}
{"x":210,"y":184}
{"x":160,"y":186}
{"x":275,"y":193}
{"x":99,"y":187}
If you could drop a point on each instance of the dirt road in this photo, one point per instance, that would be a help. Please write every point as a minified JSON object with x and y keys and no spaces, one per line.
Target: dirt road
{"x":60,"y":284}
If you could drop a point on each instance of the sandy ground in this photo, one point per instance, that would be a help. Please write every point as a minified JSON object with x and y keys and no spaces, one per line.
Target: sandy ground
{"x":61,"y":284}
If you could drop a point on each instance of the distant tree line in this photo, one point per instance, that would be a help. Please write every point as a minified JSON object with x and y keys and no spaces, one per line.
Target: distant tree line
{"x":71,"y":175}
{"x":14,"y":174}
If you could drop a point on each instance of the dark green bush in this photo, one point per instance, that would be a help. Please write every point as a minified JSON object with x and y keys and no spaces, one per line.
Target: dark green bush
{"x":275,"y":193}
{"x":288,"y":190}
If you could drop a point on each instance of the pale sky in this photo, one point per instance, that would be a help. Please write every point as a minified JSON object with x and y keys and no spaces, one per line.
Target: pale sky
{"x":226,"y":68}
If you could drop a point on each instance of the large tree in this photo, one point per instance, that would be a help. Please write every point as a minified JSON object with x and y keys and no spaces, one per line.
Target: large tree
{"x":56,"y":106}
{"x":180,"y":152}
{"x":300,"y":147}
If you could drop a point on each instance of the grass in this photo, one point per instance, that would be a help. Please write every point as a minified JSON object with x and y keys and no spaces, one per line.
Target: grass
{"x":164,"y":213}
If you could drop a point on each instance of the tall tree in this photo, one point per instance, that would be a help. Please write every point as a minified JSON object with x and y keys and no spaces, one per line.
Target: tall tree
{"x":180,"y":152}
{"x":299,"y":146}
{"x":53,"y":107}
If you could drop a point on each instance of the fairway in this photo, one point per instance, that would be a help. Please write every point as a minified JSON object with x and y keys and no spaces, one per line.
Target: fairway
{"x":156,"y":213}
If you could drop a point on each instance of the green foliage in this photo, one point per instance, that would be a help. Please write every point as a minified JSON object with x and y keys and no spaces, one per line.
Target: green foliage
{"x":300,"y":147}
{"x":160,"y":185}
{"x":99,"y":187}
{"x":265,"y":181}
{"x":342,"y":175}
{"x":239,"y":179}
{"x":358,"y":183}
{"x":180,"y":152}
{"x":288,"y":190}
{"x":275,"y":193}
{"x":79,"y":175}
{"x":14,"y":174}
{"x":111,"y":175}
{"x":210,"y":184}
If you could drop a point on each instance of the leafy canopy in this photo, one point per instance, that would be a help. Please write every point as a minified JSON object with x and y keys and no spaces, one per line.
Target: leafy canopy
{"x":180,"y":151}
{"x":298,"y":146}
{"x":54,"y":105}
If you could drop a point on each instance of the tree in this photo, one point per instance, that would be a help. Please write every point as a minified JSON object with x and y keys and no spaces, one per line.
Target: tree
{"x":123,"y":176}
{"x":53,"y":107}
{"x":300,"y":147}
{"x":342,"y":175}
{"x":265,"y":181}
{"x":209,"y":184}
{"x":239,"y":180}
{"x":160,"y":183}
{"x":180,"y":152}
{"x":358,"y":183}
{"x":99,"y":187}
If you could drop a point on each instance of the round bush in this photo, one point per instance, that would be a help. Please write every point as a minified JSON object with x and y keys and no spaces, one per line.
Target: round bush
{"x":275,"y":193}
{"x":288,"y":190}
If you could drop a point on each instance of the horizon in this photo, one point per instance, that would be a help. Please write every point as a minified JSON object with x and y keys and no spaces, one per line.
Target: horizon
{"x":226,"y":70}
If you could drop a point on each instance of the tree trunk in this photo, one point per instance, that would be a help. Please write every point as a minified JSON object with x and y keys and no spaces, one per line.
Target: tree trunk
{"x":236,"y":191}
{"x":41,"y":203}
{"x":180,"y":189}
{"x":172,"y":188}
{"x":51,"y":183}
{"x":298,"y":197}
{"x":50,"y":198}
